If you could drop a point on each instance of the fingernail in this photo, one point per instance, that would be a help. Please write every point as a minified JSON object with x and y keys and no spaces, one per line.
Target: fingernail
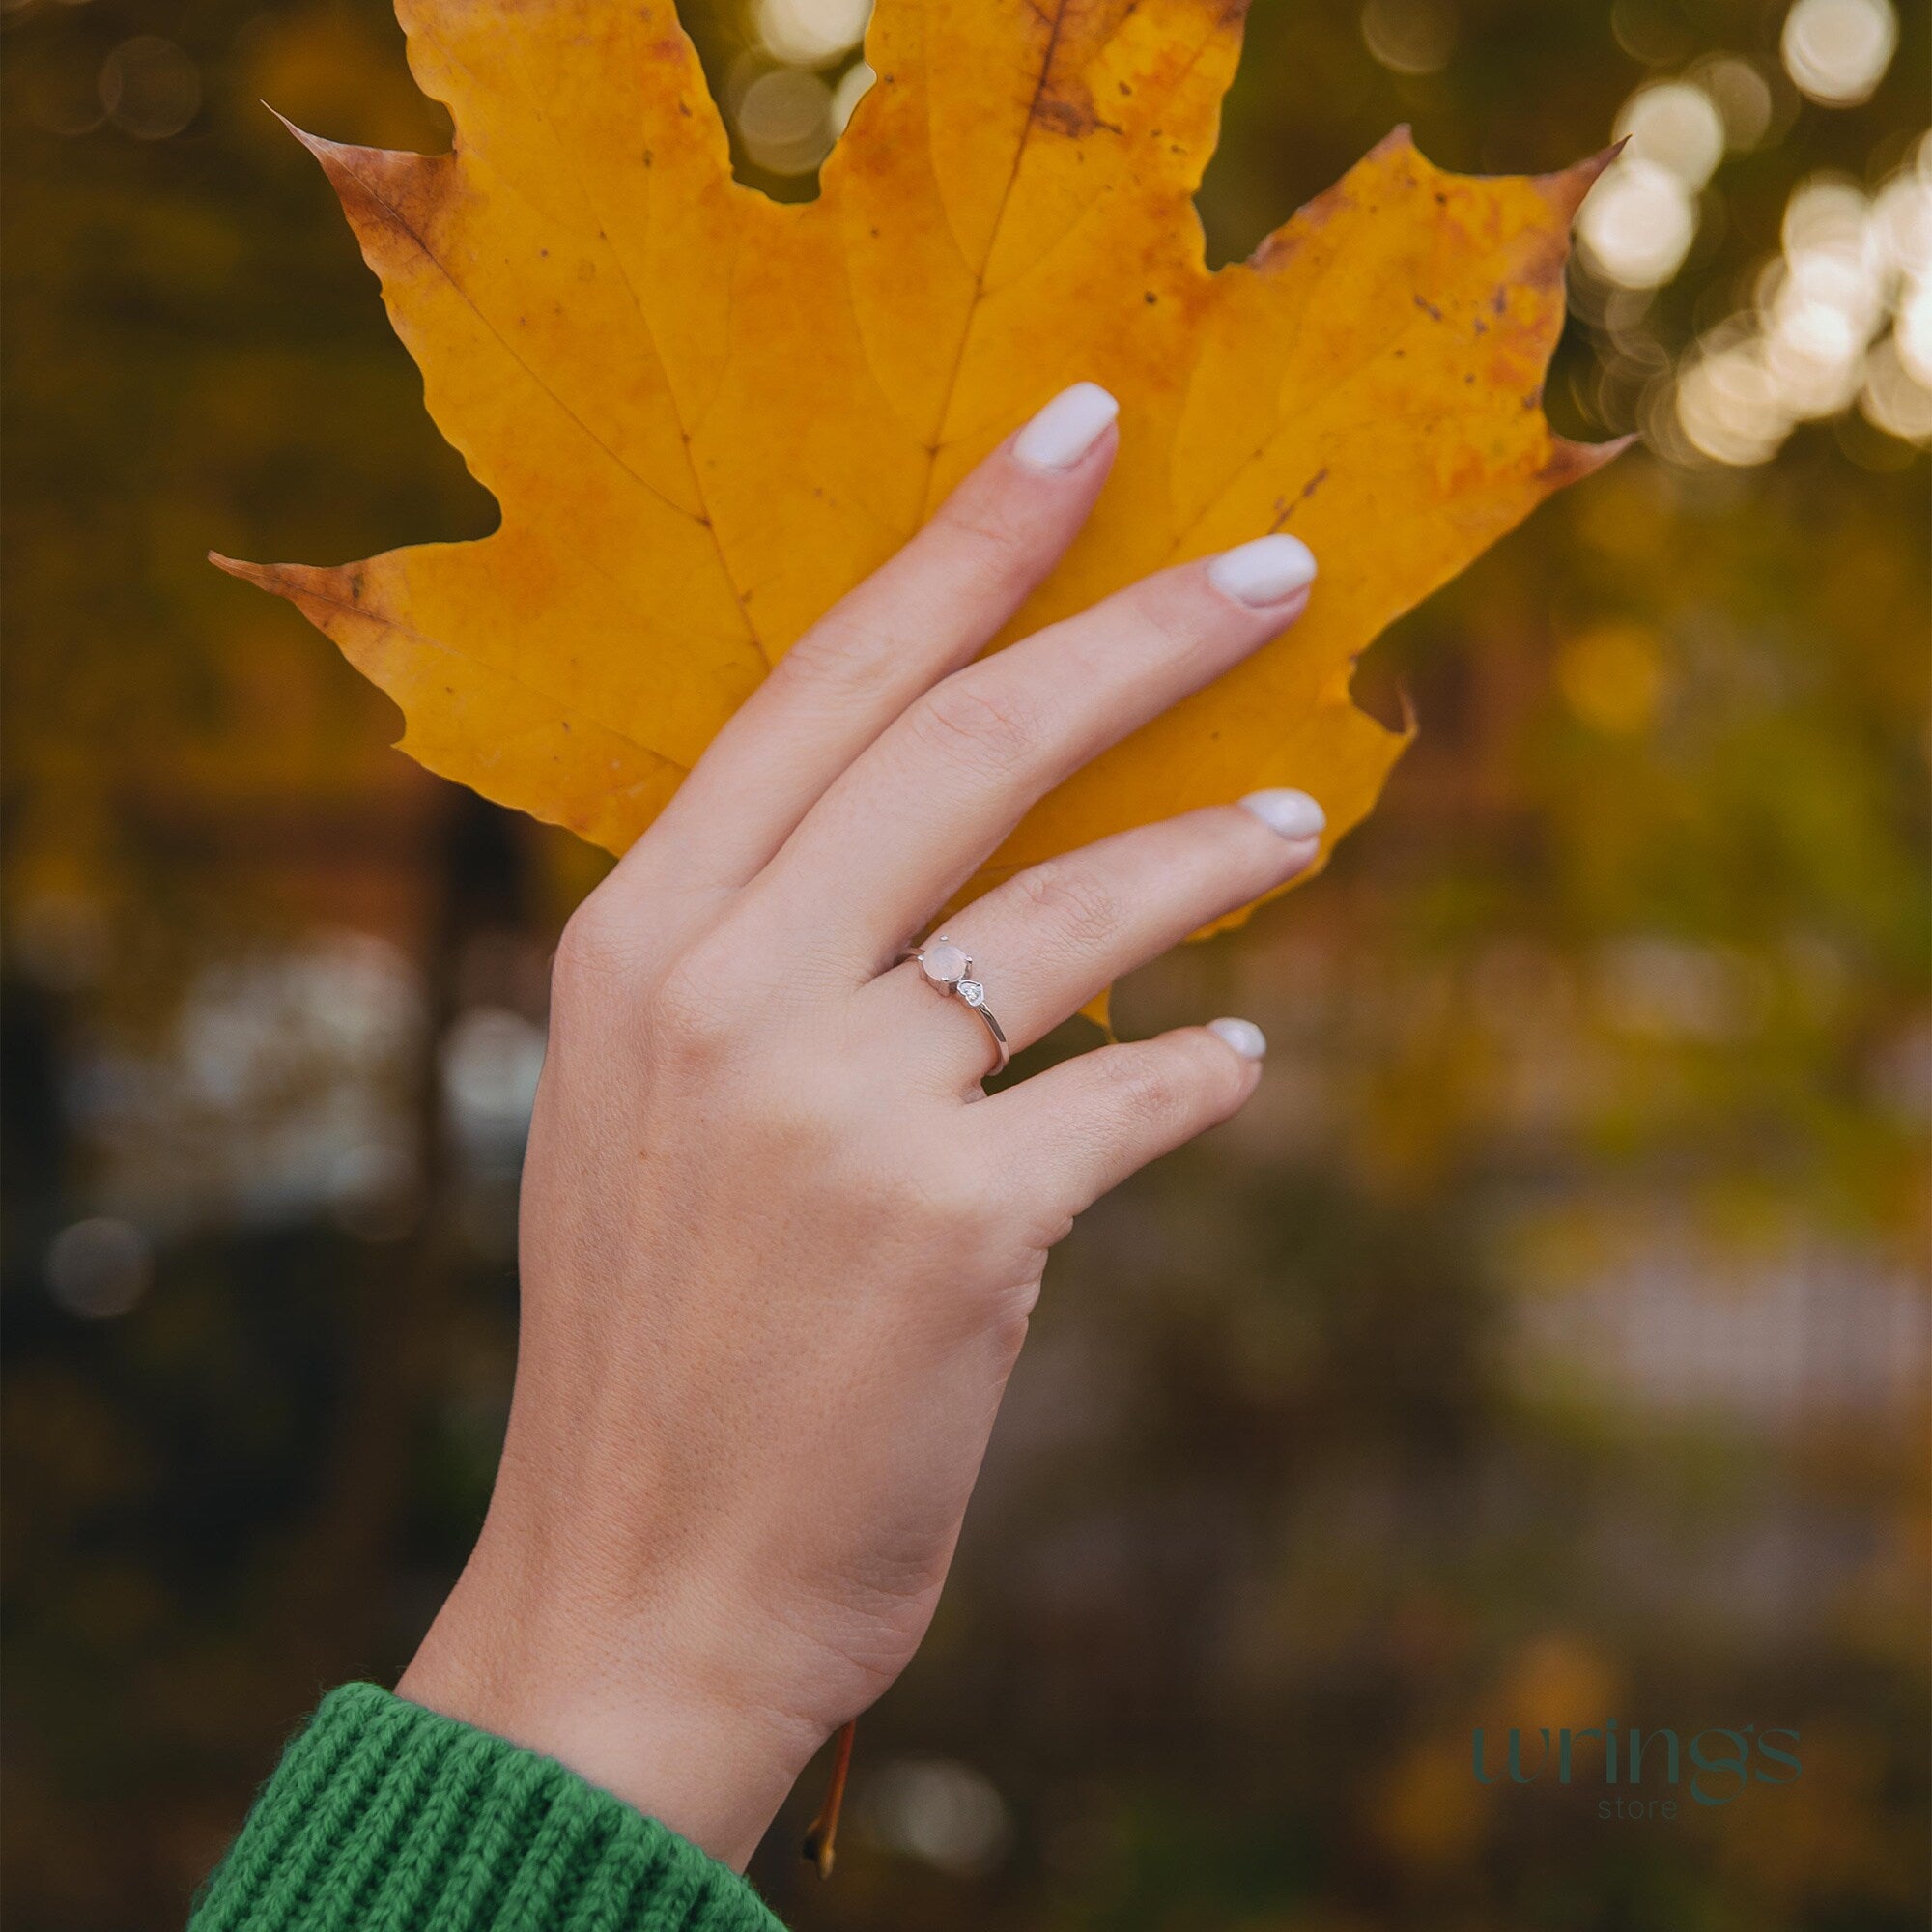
{"x":1268,"y":570}
{"x":1066,"y":427}
{"x":1243,"y":1036}
{"x":1291,"y":813}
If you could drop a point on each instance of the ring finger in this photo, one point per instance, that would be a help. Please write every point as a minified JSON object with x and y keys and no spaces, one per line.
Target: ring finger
{"x":1046,"y":941}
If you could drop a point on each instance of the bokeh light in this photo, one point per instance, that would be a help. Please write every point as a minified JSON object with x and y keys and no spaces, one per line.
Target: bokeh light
{"x":786,"y":97}
{"x":99,"y":1267}
{"x":1837,"y":51}
{"x":1728,"y":404}
{"x":1677,"y":126}
{"x":812,"y":33}
{"x":1638,"y":224}
{"x":150,"y":88}
{"x":1612,"y":678}
{"x":490,"y":1062}
{"x":1640,"y":219}
{"x":1914,"y":332}
{"x":1895,"y":399}
{"x":784,"y":119}
{"x":1743,"y":97}
{"x":1839,"y":317}
{"x":941,"y":1811}
{"x":1901,"y":221}
{"x":1410,"y":37}
{"x":1804,"y":350}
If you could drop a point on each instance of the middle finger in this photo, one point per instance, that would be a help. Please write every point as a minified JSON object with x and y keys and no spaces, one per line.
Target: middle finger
{"x":906,"y":825}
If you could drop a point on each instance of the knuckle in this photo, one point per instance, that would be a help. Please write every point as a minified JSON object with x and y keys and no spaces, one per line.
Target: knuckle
{"x":1172,"y":631}
{"x":839,"y":659}
{"x":1169,"y":1084}
{"x":688,"y":1016}
{"x":1172,"y":622}
{"x":990,"y":525}
{"x":1159,"y":1098}
{"x":592,"y":952}
{"x":968,"y":716}
{"x":1080,"y":905}
{"x":1148,"y":1088}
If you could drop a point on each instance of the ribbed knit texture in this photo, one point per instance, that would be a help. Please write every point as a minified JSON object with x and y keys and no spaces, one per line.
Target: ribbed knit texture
{"x":385,"y":1817}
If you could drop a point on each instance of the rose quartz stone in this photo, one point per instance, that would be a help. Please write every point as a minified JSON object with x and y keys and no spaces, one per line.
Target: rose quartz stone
{"x":944,"y":963}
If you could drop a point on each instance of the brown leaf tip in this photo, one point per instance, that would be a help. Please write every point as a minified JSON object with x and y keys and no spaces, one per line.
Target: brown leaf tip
{"x":320,"y":145}
{"x":234,"y":566}
{"x":1568,"y":186}
{"x":1571,"y":462}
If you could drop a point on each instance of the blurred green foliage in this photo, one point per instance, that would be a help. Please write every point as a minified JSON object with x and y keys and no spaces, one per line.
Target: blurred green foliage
{"x":1545,"y":1345}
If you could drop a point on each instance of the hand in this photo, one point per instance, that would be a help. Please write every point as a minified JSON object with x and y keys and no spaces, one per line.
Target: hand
{"x":778,"y":1249}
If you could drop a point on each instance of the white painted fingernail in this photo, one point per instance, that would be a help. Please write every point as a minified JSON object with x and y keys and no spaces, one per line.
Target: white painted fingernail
{"x":1066,"y":427}
{"x":1243,"y":1036}
{"x":1268,"y":570}
{"x":1291,"y":813}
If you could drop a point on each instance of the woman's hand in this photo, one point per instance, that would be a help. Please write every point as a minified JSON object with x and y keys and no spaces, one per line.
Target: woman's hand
{"x":778,"y":1250}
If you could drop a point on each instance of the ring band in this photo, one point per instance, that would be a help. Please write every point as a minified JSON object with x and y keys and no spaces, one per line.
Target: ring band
{"x":948,"y":970}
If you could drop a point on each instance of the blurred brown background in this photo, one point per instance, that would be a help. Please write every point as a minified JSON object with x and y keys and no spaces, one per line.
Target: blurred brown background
{"x":1546,"y":1343}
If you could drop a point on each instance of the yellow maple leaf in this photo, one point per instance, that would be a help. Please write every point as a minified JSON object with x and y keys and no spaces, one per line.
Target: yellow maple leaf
{"x":706,"y":415}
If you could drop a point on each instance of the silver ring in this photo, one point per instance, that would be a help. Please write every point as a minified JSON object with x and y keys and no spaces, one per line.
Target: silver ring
{"x":948,"y":970}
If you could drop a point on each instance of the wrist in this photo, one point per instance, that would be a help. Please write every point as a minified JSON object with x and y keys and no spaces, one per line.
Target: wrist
{"x":643,"y":1702}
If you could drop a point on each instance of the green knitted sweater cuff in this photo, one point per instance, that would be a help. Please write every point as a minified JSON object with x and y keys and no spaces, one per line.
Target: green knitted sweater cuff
{"x":385,"y":1817}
